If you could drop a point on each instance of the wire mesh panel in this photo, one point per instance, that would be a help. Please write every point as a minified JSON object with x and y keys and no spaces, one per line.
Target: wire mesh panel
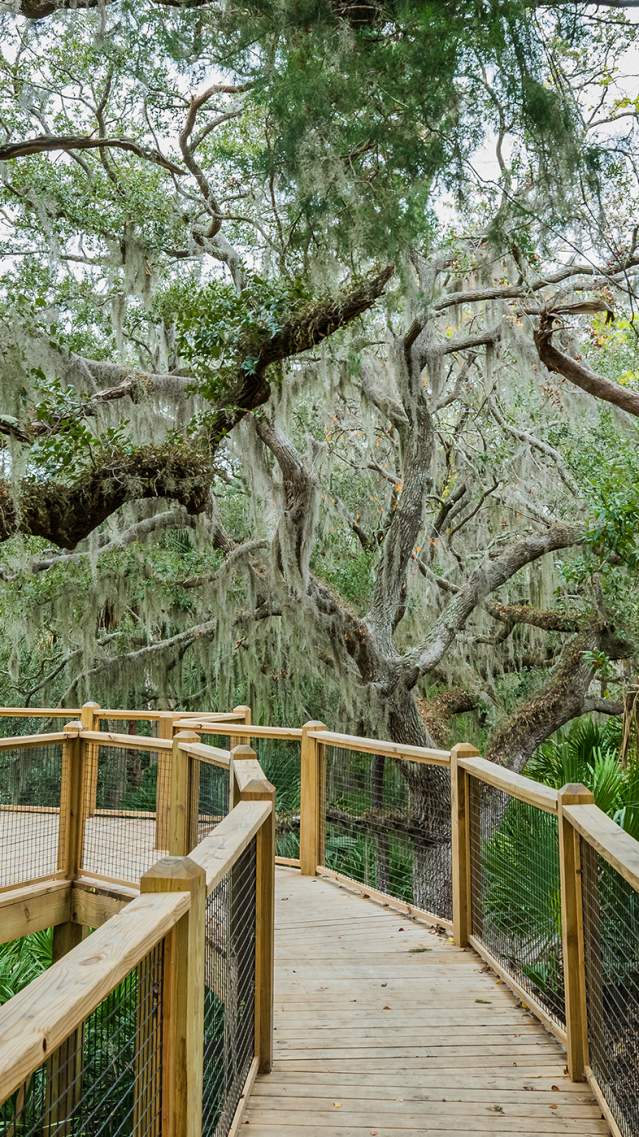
{"x":106,"y":1077}
{"x":30,"y":790}
{"x":516,"y":892}
{"x":229,"y":994}
{"x":122,"y":838}
{"x":611,"y":948}
{"x":209,"y":797}
{"x":280,"y":762}
{"x":387,"y":825}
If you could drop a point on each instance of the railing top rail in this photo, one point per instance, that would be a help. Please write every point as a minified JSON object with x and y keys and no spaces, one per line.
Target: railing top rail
{"x":204,"y":753}
{"x":385,"y":748}
{"x":39,"y":1018}
{"x":218,"y":852}
{"x":154,"y":716}
{"x":239,"y":730}
{"x":29,"y":740}
{"x":516,"y":785}
{"x":39,"y":712}
{"x":126,"y":741}
{"x":608,"y":839}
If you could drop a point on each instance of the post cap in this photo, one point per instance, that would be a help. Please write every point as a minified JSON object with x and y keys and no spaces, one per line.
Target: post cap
{"x":173,"y":874}
{"x":575,"y":793}
{"x":242,"y":752}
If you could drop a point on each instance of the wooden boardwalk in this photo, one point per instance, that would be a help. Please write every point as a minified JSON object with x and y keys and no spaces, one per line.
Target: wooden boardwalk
{"x":384,"y":1029}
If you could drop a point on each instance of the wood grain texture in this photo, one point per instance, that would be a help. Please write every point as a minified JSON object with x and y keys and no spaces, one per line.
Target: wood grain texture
{"x":383,"y":1026}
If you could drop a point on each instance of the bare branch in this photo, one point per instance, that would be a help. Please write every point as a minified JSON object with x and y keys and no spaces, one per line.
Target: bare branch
{"x":47,"y":143}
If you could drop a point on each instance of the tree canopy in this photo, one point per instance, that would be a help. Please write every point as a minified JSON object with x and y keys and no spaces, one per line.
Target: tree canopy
{"x":318,"y":360}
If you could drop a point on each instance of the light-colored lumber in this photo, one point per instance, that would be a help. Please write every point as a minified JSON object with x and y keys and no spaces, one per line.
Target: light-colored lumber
{"x":603,"y":1104}
{"x":205,"y":753}
{"x":179,"y":800}
{"x":253,"y":788}
{"x":183,"y":997}
{"x":616,"y":846}
{"x":222,"y":848}
{"x":521,"y":992}
{"x":572,"y":932}
{"x":238,"y":1116}
{"x":89,"y":717}
{"x":31,"y":908}
{"x":22,"y":741}
{"x":40,"y":712}
{"x":516,"y":785}
{"x":460,"y":842}
{"x":92,"y":908}
{"x":311,"y":821}
{"x":72,"y":801}
{"x":36,"y":1020}
{"x":239,"y":729}
{"x":408,"y":1042}
{"x":131,"y":741}
{"x":383,"y":899}
{"x":384,"y":748}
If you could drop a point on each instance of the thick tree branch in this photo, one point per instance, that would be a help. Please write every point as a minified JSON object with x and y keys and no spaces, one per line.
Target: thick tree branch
{"x":46,"y":143}
{"x":488,"y":576}
{"x":579,"y":373}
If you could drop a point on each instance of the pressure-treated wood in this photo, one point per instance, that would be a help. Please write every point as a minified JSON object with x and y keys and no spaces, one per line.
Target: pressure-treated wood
{"x":34,"y":907}
{"x":380,"y":746}
{"x":460,"y":841}
{"x":311,"y":758}
{"x":71,"y":823}
{"x":180,"y":830}
{"x":616,"y":847}
{"x":36,"y":1020}
{"x":383,"y":1027}
{"x":516,"y":785}
{"x":183,"y":1000}
{"x":89,"y":717}
{"x":572,"y":932}
{"x":165,"y":729}
{"x":254,"y":788}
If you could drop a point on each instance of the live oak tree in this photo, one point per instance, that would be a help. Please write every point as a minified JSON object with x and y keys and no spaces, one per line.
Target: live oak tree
{"x":276,"y":426}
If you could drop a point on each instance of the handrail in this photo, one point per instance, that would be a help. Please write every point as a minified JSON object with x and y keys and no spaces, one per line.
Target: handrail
{"x":205,"y":753}
{"x":218,"y":852}
{"x":239,"y":730}
{"x":384,"y":749}
{"x":516,"y":785}
{"x":29,"y":740}
{"x":39,"y":712}
{"x":39,"y":1018}
{"x":616,"y":846}
{"x":126,"y":741}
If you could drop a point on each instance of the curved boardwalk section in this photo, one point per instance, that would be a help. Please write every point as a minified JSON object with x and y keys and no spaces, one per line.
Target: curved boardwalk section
{"x":384,"y":1029}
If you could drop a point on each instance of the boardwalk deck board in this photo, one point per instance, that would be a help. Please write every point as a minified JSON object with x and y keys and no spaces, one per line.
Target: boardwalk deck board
{"x":385,"y":1029}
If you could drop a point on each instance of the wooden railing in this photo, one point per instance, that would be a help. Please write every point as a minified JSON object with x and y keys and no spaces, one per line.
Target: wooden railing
{"x":163,"y":1016}
{"x":539,"y":882}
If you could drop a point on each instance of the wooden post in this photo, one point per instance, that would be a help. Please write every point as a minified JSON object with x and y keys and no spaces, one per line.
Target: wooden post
{"x":71,"y":824}
{"x":572,"y":932}
{"x":162,"y":799}
{"x":65,"y":1064}
{"x":248,"y":719}
{"x":311,"y":823}
{"x":180,"y":796}
{"x":90,"y":720}
{"x":183,"y":1003}
{"x":260,"y":789}
{"x":460,"y":842}
{"x":242,"y":753}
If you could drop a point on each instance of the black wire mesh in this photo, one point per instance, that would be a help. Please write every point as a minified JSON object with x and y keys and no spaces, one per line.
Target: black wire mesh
{"x":386,"y":824}
{"x":516,"y":892}
{"x":105,"y":1079}
{"x":209,"y":798}
{"x":127,"y":823}
{"x":280,"y":762}
{"x":611,"y":949}
{"x":229,"y":994}
{"x":30,"y":789}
